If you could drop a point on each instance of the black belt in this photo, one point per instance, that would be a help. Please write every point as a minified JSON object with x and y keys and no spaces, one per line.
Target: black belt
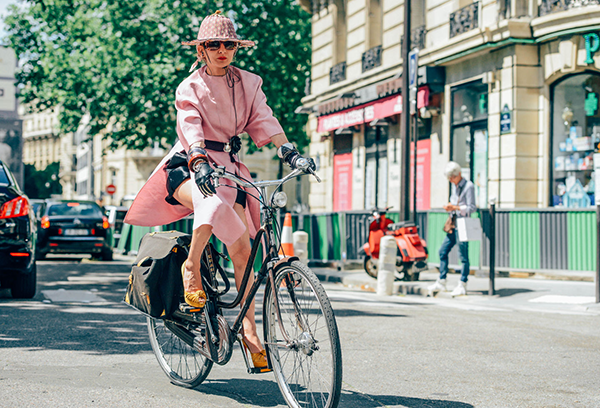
{"x":232,"y":147}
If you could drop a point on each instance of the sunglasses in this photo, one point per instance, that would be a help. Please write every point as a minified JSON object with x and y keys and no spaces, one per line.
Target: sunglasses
{"x":216,"y":45}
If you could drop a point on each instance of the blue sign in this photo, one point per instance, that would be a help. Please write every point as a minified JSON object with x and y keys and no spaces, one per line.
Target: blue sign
{"x":505,"y":120}
{"x":413,"y":64}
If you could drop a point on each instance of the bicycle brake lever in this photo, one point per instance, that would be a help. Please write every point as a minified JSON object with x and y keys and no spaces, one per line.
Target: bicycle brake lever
{"x":314,"y":174}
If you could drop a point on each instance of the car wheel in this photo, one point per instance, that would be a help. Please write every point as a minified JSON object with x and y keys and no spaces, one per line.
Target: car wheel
{"x":23,"y":287}
{"x":107,"y":255}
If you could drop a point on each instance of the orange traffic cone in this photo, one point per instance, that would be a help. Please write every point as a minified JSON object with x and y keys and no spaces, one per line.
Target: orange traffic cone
{"x":287,"y":242}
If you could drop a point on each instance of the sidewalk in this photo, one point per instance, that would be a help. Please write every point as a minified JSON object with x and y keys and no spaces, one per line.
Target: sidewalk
{"x":536,"y":294}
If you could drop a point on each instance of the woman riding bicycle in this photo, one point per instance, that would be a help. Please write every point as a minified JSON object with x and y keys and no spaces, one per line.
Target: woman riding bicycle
{"x":214,"y":104}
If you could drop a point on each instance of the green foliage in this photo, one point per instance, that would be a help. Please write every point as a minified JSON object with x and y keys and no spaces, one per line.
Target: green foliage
{"x":42,"y":183}
{"x":118,"y":63}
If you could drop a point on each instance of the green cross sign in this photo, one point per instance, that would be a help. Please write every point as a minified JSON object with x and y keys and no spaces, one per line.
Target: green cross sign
{"x":591,"y":104}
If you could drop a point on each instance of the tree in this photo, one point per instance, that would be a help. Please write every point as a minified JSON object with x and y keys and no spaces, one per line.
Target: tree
{"x":42,"y":183}
{"x":119,"y":62}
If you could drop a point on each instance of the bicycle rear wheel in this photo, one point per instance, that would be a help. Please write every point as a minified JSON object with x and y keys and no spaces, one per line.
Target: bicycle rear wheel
{"x":183,"y":365}
{"x":308,"y":368}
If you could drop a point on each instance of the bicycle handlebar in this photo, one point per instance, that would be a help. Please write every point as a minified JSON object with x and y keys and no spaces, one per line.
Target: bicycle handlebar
{"x":303,"y":168}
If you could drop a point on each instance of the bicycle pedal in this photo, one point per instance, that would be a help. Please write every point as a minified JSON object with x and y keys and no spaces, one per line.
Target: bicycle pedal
{"x":185,"y":308}
{"x":255,"y":370}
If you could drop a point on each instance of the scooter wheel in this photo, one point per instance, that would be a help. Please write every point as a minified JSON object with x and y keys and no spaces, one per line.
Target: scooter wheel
{"x":370,"y":267}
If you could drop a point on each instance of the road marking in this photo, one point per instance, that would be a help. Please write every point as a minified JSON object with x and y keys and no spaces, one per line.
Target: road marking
{"x":77,"y":296}
{"x":568,"y":300}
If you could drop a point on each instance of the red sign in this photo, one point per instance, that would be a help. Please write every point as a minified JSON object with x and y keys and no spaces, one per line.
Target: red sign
{"x":342,"y":182}
{"x":380,"y":109}
{"x":111,"y":189}
{"x":423,"y":174}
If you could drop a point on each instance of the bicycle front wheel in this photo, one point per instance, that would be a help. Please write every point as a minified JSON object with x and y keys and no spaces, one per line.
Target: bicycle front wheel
{"x":302,"y":340}
{"x":183,"y":365}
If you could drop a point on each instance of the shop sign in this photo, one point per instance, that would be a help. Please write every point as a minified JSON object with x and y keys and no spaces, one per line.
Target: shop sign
{"x":423,"y":174}
{"x":380,"y":109}
{"x":592,"y":44}
{"x":342,"y":182}
{"x":505,"y":120}
{"x":591,"y":104}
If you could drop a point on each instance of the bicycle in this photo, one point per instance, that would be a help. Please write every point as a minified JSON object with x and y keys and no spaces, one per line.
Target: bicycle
{"x":299,"y":328}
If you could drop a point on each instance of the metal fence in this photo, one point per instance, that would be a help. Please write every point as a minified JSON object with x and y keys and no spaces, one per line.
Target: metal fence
{"x":526,"y":239}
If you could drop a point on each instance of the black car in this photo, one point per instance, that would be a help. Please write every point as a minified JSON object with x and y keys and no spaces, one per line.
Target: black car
{"x":17,"y":238}
{"x":74,"y":227}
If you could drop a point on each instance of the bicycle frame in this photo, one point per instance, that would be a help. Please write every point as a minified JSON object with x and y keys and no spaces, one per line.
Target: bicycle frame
{"x":271,"y":259}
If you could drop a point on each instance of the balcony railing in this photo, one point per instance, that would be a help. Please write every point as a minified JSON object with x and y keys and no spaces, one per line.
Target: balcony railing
{"x":552,"y":6}
{"x":417,"y":38}
{"x":465,"y":19}
{"x":371,"y":58}
{"x":337,"y":73}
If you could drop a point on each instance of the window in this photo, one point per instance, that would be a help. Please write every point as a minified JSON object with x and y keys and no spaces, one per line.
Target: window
{"x":375,"y":24}
{"x":575,"y":132}
{"x":340,"y":32}
{"x":469,"y":141}
{"x":376,"y":168}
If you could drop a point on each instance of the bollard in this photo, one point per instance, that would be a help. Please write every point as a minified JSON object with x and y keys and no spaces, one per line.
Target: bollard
{"x":300,"y":239}
{"x":387,"y":265}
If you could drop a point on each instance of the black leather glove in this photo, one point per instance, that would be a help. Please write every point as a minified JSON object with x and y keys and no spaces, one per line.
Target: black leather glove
{"x":203,"y":178}
{"x":290,"y":155}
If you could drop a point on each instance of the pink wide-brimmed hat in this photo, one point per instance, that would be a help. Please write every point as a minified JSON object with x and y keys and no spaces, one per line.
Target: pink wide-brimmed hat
{"x":217,"y":27}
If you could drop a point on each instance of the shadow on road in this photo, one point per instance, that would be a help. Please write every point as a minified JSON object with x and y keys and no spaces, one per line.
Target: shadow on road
{"x":266,"y":393}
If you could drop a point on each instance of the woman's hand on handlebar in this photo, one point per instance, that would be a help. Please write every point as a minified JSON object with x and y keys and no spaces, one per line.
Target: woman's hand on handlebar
{"x":204,"y":179}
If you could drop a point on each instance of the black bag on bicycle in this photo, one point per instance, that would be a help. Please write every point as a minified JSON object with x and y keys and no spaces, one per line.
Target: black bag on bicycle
{"x":155,"y":283}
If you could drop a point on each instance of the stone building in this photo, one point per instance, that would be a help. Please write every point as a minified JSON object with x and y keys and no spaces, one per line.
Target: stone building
{"x":508,"y":89}
{"x":11,"y":126}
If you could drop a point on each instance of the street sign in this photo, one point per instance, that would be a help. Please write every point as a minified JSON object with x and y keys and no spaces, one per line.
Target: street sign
{"x":111,"y":189}
{"x":505,"y":120}
{"x":413,"y":65}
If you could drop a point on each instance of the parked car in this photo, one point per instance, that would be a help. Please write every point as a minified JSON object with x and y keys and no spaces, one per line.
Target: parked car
{"x":115,"y":215}
{"x":17,"y":238}
{"x":74,"y":227}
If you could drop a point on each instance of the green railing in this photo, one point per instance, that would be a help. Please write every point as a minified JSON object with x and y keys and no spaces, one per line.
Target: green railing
{"x":526,"y":239}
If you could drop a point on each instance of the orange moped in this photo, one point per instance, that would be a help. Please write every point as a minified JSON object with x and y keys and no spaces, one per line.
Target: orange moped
{"x":411,"y":257}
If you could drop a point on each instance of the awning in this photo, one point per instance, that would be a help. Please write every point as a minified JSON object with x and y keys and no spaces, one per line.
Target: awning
{"x":379,"y":109}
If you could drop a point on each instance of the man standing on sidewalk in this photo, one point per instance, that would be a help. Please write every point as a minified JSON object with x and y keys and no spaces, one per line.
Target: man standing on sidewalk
{"x":462,"y":203}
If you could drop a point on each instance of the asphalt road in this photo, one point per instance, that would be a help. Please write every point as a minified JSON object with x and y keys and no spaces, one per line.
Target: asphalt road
{"x":410,"y":351}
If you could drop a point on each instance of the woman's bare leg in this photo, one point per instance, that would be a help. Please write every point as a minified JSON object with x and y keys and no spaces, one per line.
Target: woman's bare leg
{"x":192,"y":280}
{"x":239,"y":252}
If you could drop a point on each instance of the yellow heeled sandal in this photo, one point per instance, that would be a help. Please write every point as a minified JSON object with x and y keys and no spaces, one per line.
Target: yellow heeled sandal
{"x":259,"y":360}
{"x":194,"y":299}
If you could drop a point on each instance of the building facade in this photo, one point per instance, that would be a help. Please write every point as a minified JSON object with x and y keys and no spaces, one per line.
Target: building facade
{"x":11,"y":126}
{"x":508,"y":89}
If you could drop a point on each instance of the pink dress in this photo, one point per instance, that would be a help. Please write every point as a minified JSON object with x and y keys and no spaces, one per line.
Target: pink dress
{"x":205,"y":112}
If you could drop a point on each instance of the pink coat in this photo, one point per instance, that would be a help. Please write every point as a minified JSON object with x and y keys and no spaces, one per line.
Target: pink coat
{"x":205,"y":111}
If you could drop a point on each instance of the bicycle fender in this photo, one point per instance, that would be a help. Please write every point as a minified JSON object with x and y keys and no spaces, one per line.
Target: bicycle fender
{"x":285,"y":261}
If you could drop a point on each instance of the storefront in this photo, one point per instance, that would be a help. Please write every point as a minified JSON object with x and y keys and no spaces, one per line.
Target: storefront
{"x":575,"y":132}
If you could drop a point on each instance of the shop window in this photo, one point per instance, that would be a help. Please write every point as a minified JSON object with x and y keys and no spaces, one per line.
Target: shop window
{"x":575,"y":132}
{"x":469,"y":141}
{"x":376,"y":167}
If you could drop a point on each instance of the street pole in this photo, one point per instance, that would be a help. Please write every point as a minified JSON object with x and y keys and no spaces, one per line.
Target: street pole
{"x":492,"y":239}
{"x":405,"y":120}
{"x":414,"y":173}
